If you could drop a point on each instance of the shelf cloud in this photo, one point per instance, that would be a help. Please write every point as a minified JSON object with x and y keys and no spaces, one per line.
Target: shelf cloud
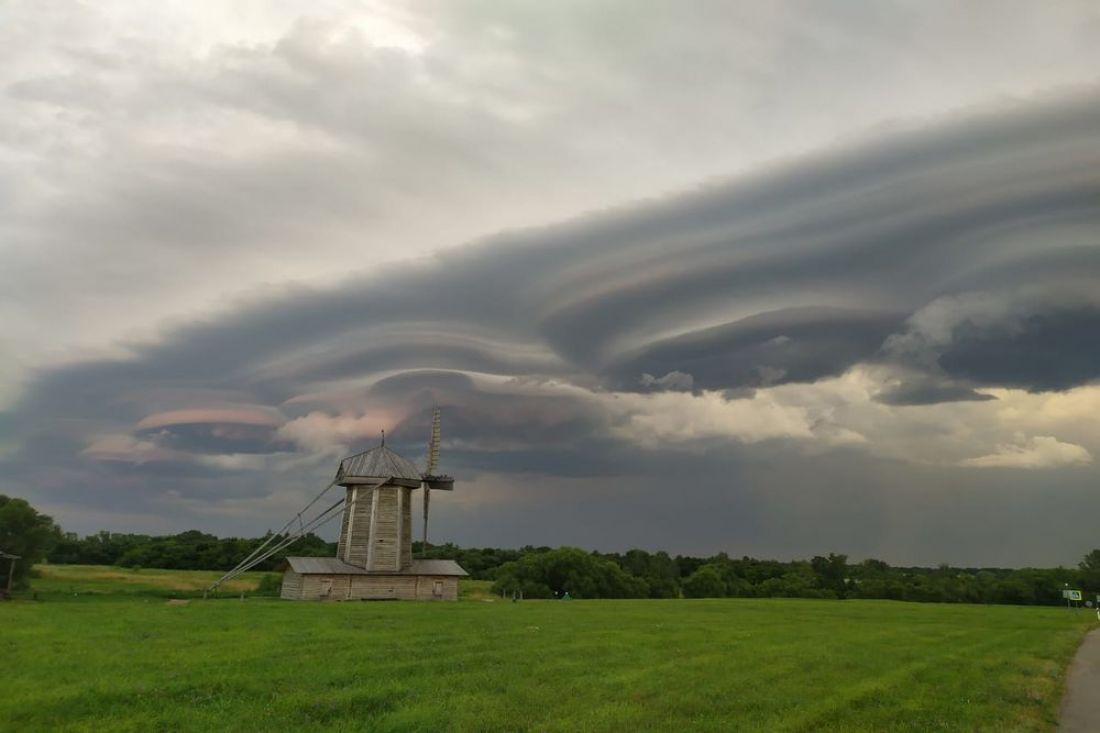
{"x":804,"y":344}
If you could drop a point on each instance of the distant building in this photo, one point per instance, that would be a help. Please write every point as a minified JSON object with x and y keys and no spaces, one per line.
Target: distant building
{"x":374,"y":555}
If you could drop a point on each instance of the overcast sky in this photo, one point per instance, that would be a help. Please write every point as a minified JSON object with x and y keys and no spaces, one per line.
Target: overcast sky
{"x":773,"y":278}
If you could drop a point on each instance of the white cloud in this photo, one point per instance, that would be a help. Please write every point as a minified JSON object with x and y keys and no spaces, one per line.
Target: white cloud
{"x":1041,"y":451}
{"x":333,"y":434}
{"x":842,"y":412}
{"x":674,"y":380}
{"x":681,"y":418}
{"x":125,"y":448}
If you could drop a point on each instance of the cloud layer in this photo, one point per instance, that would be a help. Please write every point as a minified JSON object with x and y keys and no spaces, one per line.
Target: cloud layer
{"x":210,"y":307}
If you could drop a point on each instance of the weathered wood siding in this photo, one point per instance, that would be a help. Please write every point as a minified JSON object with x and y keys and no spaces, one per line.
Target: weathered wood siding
{"x":383,"y":540}
{"x":357,"y":513}
{"x":325,"y":587}
{"x":402,"y":587}
{"x":436,"y":588}
{"x":406,"y":529}
{"x":292,"y":585}
{"x":376,"y":528}
{"x":369,"y":587}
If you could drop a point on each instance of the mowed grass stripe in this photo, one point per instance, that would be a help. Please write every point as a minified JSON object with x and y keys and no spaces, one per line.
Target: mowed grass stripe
{"x":878,"y":690}
{"x":766,"y":664}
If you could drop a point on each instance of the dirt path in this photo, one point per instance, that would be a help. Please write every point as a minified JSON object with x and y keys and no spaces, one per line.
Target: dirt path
{"x":1081,"y":705}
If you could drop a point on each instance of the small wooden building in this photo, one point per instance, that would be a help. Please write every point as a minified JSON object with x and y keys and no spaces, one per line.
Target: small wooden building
{"x":329,"y":578}
{"x":374,"y":555}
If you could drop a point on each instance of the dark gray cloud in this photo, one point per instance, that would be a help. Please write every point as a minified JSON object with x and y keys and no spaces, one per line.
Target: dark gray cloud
{"x":1053,"y":350}
{"x":787,"y":345}
{"x":214,"y":437}
{"x":696,"y":284}
{"x":924,"y":390}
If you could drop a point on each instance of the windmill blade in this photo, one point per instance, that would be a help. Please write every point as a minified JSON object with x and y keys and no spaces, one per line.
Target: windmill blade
{"x":432,"y":462}
{"x":433,"y":480}
{"x":433,"y":445}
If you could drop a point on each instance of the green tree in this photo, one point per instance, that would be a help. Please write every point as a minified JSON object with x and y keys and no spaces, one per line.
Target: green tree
{"x":706,"y":582}
{"x":663,"y":576}
{"x":659,"y":571}
{"x":831,"y":572}
{"x":568,"y":569}
{"x":26,"y":533}
{"x":1090,"y":571}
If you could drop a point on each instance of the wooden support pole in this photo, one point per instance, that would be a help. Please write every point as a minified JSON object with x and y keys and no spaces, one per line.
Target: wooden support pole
{"x":427,"y":498}
{"x":351,"y":524}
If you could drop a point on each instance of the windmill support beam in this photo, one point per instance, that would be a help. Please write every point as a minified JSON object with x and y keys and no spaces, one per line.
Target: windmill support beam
{"x":351,"y":523}
{"x":11,"y":571}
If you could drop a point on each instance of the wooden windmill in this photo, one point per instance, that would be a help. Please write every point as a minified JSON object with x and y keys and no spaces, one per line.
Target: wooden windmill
{"x":377,"y":527}
{"x":374,"y":553}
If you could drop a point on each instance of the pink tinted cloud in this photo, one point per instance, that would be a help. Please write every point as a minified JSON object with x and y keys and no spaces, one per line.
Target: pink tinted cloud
{"x":241,"y":415}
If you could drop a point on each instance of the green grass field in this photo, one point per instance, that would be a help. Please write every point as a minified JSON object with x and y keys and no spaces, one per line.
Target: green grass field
{"x":132,"y":661}
{"x":57,"y":582}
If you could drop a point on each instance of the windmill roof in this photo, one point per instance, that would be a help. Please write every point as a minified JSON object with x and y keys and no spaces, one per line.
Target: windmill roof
{"x":436,"y":567}
{"x":336,"y":566}
{"x":377,"y":465}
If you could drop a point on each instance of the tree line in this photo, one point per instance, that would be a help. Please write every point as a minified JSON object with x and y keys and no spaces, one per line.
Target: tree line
{"x":191,"y":550}
{"x":545,"y":572}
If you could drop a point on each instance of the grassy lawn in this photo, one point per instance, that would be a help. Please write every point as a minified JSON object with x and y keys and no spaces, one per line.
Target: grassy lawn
{"x":137,"y":663}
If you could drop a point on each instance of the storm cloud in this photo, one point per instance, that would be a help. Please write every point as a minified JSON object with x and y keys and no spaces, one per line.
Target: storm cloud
{"x":787,"y":360}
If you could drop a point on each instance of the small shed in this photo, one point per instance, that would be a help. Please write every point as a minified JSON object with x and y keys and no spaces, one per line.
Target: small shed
{"x":329,"y":578}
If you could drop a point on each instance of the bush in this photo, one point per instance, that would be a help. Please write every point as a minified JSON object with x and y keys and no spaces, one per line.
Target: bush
{"x":271,"y":584}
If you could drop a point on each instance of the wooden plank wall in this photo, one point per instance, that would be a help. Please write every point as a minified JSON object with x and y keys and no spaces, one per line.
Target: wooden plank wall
{"x":392,"y":529}
{"x":292,"y":586}
{"x":368,"y":587}
{"x":360,"y":529}
{"x":402,"y":587}
{"x":406,"y":529}
{"x":313,"y":586}
{"x":383,"y":544}
{"x":426,"y":588}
